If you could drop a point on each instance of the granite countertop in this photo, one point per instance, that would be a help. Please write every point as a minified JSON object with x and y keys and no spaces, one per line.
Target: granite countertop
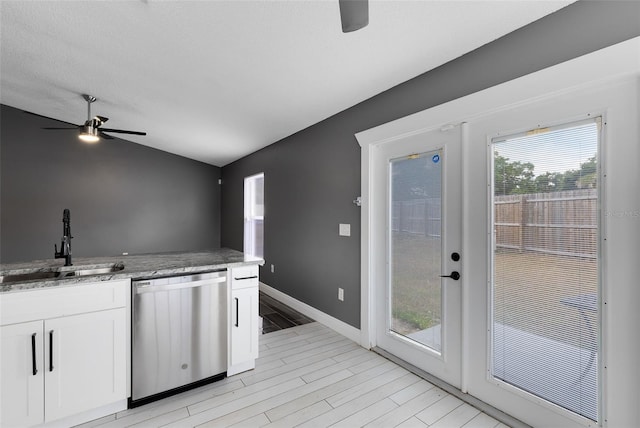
{"x":135,"y":266}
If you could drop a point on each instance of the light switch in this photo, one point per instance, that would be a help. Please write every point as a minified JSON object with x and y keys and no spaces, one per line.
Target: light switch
{"x":345,"y":229}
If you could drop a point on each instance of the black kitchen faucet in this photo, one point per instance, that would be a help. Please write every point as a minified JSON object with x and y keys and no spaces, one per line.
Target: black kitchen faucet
{"x":65,"y":245}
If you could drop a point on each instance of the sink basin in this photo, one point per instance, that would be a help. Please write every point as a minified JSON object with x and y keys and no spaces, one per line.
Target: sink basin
{"x":59,"y":273}
{"x":94,"y":271}
{"x":30,"y":276}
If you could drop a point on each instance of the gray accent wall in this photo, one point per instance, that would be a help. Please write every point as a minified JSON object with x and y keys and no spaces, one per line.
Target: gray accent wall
{"x":123,"y":197}
{"x":312,"y":177}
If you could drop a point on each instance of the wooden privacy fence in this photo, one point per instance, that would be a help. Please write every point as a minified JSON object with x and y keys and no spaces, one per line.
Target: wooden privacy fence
{"x":417,"y":216}
{"x":563,"y":223}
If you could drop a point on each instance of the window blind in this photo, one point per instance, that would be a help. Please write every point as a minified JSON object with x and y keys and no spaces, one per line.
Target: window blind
{"x":545,"y":264}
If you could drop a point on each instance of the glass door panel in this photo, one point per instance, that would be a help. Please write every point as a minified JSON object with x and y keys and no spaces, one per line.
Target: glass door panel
{"x":545,"y":273}
{"x":416,"y":248}
{"x":419,"y":311}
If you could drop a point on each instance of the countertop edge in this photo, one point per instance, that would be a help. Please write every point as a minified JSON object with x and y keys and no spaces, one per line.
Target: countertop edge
{"x":173,"y":270}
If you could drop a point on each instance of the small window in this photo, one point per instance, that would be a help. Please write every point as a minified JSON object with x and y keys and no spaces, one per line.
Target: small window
{"x":254,"y":215}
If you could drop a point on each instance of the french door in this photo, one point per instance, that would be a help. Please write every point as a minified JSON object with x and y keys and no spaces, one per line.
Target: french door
{"x":549,"y":255}
{"x":418,"y":296}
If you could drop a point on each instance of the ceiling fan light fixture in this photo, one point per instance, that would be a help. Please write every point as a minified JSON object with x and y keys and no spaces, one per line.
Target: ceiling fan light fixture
{"x":89,"y":134}
{"x":88,"y":138}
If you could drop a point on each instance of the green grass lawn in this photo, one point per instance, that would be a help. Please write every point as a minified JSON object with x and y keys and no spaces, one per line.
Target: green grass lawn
{"x":416,"y":294}
{"x":528,"y":290}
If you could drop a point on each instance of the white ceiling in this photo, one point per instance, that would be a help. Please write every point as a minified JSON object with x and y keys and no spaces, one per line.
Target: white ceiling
{"x":217,"y":80}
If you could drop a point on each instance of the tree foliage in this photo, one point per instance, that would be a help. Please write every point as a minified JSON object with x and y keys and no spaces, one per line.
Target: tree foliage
{"x":515,"y":177}
{"x":419,"y":178}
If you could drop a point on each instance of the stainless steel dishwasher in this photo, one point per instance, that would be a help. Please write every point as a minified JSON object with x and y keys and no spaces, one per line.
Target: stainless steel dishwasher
{"x":178,"y":335}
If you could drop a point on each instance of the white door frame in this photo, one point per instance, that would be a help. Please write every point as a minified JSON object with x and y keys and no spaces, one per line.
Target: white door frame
{"x":446,"y":363}
{"x":609,"y":64}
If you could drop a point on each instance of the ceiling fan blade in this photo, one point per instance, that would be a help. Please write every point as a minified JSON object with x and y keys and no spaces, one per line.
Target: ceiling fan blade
{"x":49,"y":118}
{"x":354,"y":14}
{"x":105,"y":136}
{"x":122,"y":131}
{"x":61,"y":129}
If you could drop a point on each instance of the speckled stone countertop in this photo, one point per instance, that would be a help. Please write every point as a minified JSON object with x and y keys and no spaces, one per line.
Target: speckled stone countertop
{"x":135,"y":266}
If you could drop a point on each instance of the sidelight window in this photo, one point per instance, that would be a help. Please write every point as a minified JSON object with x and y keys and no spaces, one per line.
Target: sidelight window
{"x":254,"y":215}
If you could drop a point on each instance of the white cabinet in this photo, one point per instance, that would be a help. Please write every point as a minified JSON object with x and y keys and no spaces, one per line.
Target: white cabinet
{"x":244,"y":330}
{"x":67,"y":363}
{"x":22,"y":374}
{"x":243,"y":319}
{"x":87,"y":362}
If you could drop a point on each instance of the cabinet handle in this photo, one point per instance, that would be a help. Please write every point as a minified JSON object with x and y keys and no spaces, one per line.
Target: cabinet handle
{"x":246,"y":277}
{"x":51,"y":351}
{"x":236,"y":312}
{"x":33,"y":354}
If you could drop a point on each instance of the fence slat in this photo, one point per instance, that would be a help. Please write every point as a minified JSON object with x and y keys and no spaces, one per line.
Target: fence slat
{"x":555,"y":223}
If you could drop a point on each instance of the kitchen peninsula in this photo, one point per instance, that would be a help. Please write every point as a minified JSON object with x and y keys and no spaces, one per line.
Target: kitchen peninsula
{"x":66,"y":331}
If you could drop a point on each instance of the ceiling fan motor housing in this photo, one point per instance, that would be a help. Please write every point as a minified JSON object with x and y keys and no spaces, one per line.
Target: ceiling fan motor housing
{"x":89,"y":132}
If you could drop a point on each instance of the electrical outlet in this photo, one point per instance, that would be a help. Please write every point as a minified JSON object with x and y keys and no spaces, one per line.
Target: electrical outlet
{"x":273,"y":268}
{"x":341,"y":294}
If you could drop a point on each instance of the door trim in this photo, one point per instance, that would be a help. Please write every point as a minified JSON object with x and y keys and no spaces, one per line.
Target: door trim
{"x":372,"y":178}
{"x":446,"y":362}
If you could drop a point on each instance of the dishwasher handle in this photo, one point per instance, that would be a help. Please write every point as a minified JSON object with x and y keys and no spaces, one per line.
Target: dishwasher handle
{"x":148,"y":286}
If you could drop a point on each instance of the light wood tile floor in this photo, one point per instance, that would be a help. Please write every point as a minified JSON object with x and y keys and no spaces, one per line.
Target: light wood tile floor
{"x":310,"y":376}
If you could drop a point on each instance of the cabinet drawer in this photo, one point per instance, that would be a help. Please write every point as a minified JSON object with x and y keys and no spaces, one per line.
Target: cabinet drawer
{"x":54,"y":302}
{"x":243,"y":277}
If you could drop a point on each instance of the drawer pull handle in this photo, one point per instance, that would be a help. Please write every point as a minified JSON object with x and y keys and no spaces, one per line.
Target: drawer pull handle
{"x":246,"y":277}
{"x":33,"y":354}
{"x":51,"y":351}
{"x":237,"y":315}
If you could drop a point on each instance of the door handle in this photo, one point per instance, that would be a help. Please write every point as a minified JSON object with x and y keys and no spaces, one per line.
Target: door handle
{"x":51,"y":351}
{"x":454,"y":275}
{"x":33,"y":354}
{"x":237,"y":315}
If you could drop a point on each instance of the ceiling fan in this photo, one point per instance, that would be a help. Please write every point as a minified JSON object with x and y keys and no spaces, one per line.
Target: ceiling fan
{"x":354,"y":14}
{"x":91,"y":131}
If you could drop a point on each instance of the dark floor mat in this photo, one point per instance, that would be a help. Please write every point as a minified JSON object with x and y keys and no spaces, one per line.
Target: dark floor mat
{"x":277,"y":316}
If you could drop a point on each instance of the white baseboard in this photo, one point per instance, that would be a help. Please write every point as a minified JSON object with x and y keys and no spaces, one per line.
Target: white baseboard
{"x":335,"y":324}
{"x":88,"y":416}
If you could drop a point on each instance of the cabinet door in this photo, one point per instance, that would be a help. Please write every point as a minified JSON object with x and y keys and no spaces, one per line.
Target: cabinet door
{"x":85,"y":359}
{"x":21,"y":375}
{"x":244,"y":325}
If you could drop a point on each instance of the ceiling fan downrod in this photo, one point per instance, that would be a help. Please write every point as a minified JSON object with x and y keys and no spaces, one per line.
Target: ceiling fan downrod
{"x":354,"y":14}
{"x":89,"y":99}
{"x":89,"y":132}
